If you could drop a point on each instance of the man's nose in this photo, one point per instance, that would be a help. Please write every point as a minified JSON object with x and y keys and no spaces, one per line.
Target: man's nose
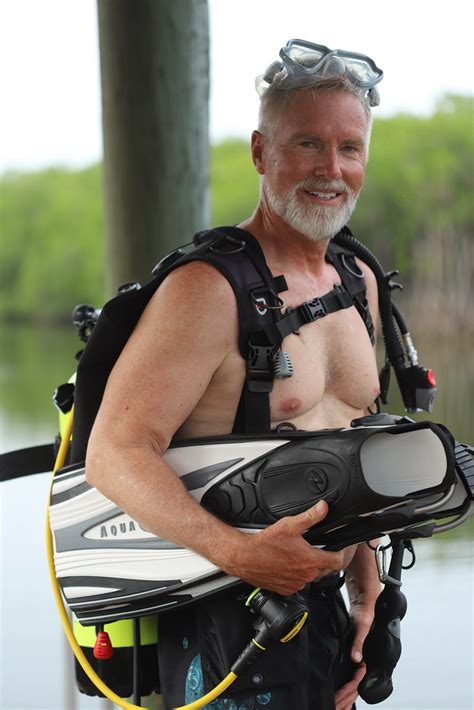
{"x":328,"y":164}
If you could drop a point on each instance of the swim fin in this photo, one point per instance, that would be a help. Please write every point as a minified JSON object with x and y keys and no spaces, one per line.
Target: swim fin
{"x":377,"y":478}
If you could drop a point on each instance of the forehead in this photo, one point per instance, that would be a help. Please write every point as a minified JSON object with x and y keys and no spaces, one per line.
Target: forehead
{"x":323,"y":113}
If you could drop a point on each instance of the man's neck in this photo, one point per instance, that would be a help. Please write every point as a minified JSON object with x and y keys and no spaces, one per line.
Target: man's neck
{"x":283,"y":245}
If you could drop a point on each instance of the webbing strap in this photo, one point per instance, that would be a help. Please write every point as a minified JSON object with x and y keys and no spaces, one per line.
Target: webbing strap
{"x":24,"y":462}
{"x":352,"y":277}
{"x":253,"y":414}
{"x":313,"y":310}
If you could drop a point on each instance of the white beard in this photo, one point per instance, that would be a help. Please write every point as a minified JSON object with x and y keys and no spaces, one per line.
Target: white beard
{"x":316,"y":222}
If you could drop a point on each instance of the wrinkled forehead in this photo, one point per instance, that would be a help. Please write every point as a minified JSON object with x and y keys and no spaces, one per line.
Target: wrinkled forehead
{"x":321,"y":110}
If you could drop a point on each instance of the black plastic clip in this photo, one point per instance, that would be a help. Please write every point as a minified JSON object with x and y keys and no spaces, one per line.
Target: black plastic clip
{"x":260,"y":367}
{"x":392,"y":285}
{"x":312,"y":310}
{"x":343,"y":296}
{"x":63,"y":397}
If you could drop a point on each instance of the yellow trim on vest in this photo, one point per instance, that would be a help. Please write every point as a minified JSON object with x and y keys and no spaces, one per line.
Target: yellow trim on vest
{"x":120,"y":632}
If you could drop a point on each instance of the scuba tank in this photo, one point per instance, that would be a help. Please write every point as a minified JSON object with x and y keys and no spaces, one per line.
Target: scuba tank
{"x":127,"y":637}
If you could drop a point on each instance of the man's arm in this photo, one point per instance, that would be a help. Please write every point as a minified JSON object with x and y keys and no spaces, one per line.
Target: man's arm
{"x":362,"y":579}
{"x":186,"y":333}
{"x":363,"y":586}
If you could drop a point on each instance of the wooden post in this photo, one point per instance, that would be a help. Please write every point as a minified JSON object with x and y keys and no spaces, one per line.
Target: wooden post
{"x":154,"y":57}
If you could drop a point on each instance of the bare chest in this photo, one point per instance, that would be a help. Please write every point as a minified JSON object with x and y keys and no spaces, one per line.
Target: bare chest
{"x":334,"y":379}
{"x":335,"y":373}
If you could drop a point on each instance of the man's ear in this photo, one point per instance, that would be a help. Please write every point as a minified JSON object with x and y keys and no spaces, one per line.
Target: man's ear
{"x":257,"y":152}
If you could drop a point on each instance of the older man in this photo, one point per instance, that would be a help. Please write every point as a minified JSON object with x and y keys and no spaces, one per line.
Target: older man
{"x":181,"y":374}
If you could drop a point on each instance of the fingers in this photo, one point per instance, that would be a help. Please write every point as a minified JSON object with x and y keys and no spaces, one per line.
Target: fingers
{"x":280,"y":559}
{"x":347,"y":695}
{"x":362,"y":621}
{"x":298,"y":524}
{"x":356,"y":650}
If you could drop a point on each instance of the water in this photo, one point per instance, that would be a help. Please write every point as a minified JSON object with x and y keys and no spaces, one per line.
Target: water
{"x":435,"y":671}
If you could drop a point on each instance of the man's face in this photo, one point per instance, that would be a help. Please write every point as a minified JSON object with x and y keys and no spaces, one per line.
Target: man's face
{"x":314,"y":163}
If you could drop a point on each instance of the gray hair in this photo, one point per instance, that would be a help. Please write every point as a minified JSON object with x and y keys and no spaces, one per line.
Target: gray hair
{"x":273,"y":101}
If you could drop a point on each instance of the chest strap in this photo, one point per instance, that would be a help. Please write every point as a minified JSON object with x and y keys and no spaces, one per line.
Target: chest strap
{"x":253,"y":413}
{"x":308,"y":312}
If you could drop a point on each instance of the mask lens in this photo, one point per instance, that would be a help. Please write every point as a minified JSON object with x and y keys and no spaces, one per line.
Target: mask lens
{"x":360,"y":69}
{"x":304,"y":63}
{"x":305,"y":57}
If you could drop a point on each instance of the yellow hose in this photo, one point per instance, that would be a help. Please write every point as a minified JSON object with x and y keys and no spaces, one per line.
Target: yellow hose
{"x":78,"y":652}
{"x":65,"y":439}
{"x":212,"y":695}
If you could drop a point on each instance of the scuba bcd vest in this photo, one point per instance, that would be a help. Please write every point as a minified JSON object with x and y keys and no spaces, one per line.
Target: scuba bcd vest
{"x":263,"y":325}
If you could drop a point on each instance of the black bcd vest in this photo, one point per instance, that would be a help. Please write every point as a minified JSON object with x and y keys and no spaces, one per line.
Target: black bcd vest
{"x":263,"y":325}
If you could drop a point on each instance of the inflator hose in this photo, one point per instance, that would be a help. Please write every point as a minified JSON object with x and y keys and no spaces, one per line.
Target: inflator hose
{"x":391,"y":337}
{"x":63,"y":615}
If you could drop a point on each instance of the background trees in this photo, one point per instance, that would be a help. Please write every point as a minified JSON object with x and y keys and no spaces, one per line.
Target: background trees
{"x":415,"y":212}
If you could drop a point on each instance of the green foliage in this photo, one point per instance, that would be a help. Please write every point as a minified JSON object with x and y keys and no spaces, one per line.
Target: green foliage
{"x":419,"y":181}
{"x":419,"y":185}
{"x":51,"y":254}
{"x":234,"y":183}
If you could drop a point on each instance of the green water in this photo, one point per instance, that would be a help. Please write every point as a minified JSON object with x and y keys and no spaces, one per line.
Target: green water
{"x":34,"y":360}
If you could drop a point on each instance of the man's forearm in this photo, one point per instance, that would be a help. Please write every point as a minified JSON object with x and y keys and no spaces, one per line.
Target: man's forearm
{"x":278,"y":558}
{"x":150,"y":491}
{"x":362,"y":578}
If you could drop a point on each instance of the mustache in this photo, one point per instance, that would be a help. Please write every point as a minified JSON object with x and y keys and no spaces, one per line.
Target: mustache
{"x":321,"y":184}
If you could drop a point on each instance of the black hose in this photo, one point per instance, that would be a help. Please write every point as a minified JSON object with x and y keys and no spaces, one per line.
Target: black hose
{"x":393,"y":345}
{"x":136,"y":661}
{"x":400,"y":319}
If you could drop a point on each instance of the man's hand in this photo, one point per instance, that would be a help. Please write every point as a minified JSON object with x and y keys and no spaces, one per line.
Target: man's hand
{"x":347,"y":695}
{"x":362,"y":616}
{"x":279,"y":559}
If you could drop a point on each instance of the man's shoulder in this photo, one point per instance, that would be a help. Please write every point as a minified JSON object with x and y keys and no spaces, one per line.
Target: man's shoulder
{"x":195,"y":290}
{"x":369,"y":276}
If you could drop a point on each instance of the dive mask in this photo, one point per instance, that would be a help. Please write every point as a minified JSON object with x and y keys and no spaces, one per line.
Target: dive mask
{"x":304,"y":64}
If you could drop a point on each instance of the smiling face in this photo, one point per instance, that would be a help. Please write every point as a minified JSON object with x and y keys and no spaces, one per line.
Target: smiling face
{"x":313,"y":163}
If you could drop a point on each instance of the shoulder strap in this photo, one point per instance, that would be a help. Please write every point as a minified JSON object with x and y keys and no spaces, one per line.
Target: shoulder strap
{"x":353,"y":280}
{"x":238,"y":256}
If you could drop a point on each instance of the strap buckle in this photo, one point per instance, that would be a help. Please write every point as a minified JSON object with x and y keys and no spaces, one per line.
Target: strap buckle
{"x":260,"y":367}
{"x":312,"y":310}
{"x":343,"y":296}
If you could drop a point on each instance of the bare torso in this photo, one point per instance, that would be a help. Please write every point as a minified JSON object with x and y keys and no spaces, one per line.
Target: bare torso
{"x":335,"y":375}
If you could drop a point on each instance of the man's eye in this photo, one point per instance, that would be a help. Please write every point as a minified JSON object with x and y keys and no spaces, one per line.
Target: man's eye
{"x":307,"y":144}
{"x":351,"y":149}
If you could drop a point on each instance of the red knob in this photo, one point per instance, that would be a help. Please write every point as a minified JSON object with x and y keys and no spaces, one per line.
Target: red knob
{"x":103,"y":648}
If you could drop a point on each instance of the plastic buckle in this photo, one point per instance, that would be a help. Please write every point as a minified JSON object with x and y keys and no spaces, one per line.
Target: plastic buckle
{"x":260,"y":368}
{"x":312,"y":310}
{"x":343,"y":296}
